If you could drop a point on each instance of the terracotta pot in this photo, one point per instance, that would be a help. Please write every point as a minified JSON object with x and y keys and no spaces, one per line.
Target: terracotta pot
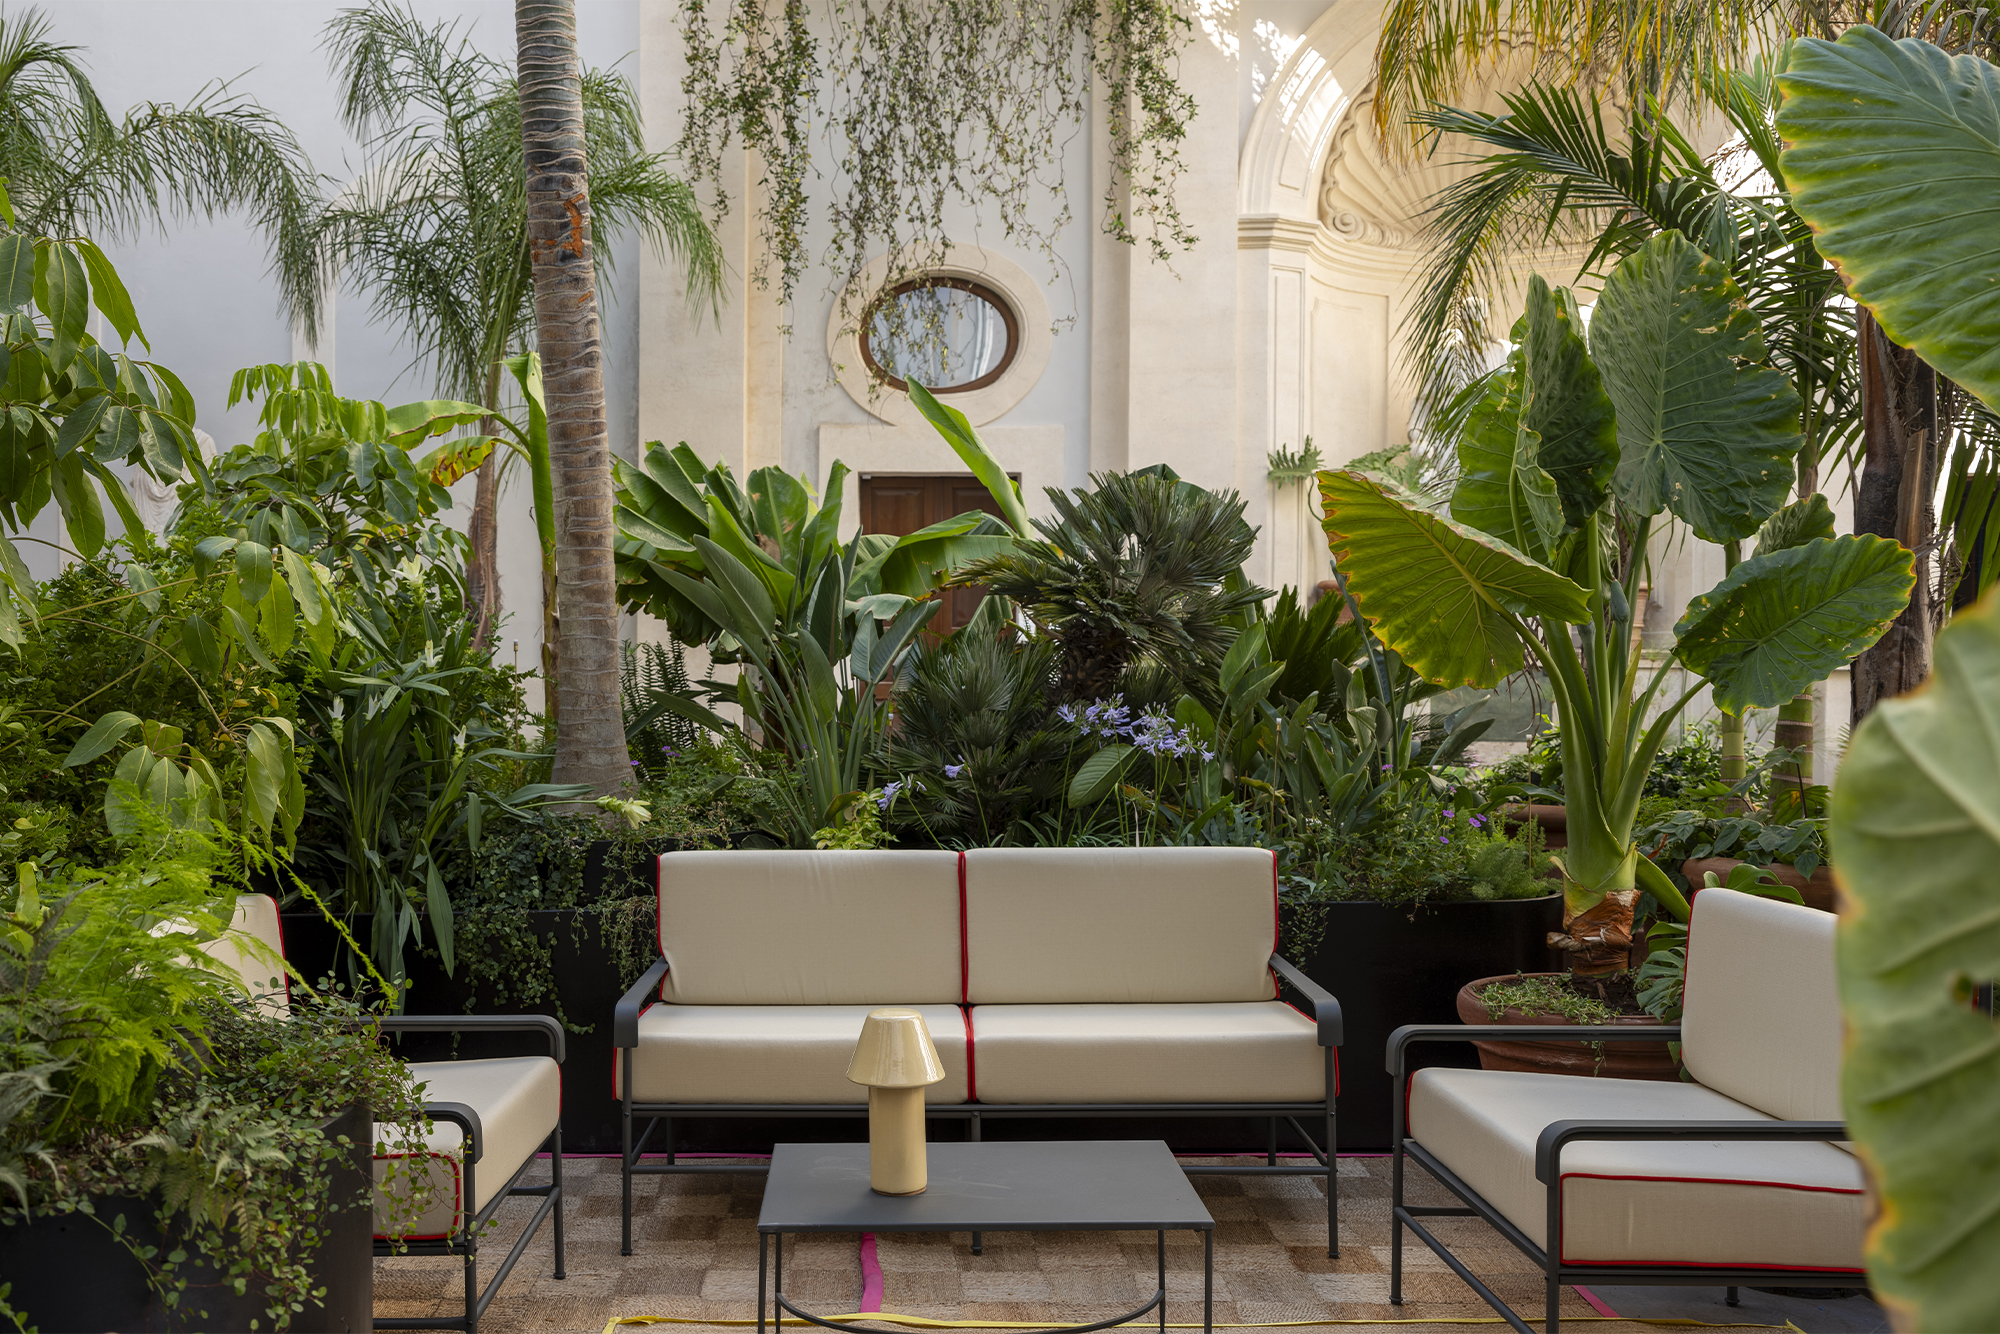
{"x":1554,"y":821}
{"x":1817,"y":890}
{"x":1616,"y":1060}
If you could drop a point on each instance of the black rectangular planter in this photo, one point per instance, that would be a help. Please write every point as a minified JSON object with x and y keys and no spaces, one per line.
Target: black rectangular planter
{"x":70,"y":1273}
{"x":1390,"y":966}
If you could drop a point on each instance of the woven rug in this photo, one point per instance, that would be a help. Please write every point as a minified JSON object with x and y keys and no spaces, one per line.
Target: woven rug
{"x":695,"y":1265}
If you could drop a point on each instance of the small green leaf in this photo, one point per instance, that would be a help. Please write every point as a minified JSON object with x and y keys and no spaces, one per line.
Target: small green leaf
{"x":1248,"y":646}
{"x":198,"y":646}
{"x":105,"y":733}
{"x":108,"y":293}
{"x":1096,"y":775}
{"x":64,"y":297}
{"x":1796,"y":524}
{"x":17,"y":272}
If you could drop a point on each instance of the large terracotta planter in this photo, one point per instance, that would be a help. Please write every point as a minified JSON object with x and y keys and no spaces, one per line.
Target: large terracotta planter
{"x":1608,"y":1060}
{"x":1816,"y":890}
{"x":1554,"y":821}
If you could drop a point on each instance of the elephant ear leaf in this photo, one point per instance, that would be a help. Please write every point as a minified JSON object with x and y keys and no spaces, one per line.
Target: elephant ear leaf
{"x":1786,"y":619}
{"x":1796,"y":524}
{"x":1502,"y":488}
{"x":1893,"y":159}
{"x":1915,"y":825}
{"x":1704,"y":429}
{"x":1566,"y":404}
{"x":1442,"y":595}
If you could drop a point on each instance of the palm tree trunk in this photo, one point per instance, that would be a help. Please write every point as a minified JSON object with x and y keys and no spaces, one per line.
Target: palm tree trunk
{"x":483,"y":578}
{"x":1899,"y":432}
{"x":590,"y":743}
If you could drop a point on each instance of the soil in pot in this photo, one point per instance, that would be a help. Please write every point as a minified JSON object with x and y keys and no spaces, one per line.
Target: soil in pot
{"x":1610,"y":1060}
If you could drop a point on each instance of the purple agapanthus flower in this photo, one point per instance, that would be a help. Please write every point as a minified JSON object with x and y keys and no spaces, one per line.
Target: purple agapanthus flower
{"x":954,"y":770}
{"x":889,"y":794}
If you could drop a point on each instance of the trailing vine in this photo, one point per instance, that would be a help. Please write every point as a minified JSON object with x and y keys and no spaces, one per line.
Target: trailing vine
{"x":931,"y":105}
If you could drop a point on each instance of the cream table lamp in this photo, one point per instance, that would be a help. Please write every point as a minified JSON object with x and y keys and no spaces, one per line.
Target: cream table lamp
{"x":896,"y":1059}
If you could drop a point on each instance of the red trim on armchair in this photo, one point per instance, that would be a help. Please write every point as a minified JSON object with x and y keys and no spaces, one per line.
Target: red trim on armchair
{"x":283,"y":956}
{"x":1712,"y":1181}
{"x":971,"y":1066}
{"x":965,"y":945}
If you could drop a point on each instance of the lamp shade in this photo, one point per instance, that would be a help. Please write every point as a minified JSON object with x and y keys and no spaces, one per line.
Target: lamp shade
{"x":895,"y":1052}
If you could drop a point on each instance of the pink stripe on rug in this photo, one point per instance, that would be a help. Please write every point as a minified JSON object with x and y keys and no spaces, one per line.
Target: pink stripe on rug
{"x":1596,"y":1304}
{"x":871,"y":1275}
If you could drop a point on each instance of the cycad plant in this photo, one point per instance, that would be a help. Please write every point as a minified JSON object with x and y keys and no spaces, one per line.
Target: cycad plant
{"x":1565,"y":468}
{"x":1141,"y":575}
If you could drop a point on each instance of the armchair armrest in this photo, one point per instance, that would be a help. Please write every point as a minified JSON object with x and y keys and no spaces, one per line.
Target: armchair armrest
{"x":482,"y":1023}
{"x":1326,"y":1010}
{"x":1408,"y":1033}
{"x":466,"y":1119}
{"x":1548,"y":1149}
{"x":625,"y":1019}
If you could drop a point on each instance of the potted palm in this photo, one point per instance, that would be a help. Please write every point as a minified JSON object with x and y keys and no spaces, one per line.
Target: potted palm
{"x":1570,"y":458}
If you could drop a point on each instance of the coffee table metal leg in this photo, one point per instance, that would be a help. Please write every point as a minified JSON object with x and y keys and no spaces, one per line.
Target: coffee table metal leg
{"x":1208,"y":1281}
{"x":972,"y":1133}
{"x":778,"y":1273}
{"x":763,"y":1254}
{"x":1162,"y":1247}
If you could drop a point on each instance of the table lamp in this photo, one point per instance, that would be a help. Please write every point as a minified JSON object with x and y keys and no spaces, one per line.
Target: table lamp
{"x":896,"y":1059}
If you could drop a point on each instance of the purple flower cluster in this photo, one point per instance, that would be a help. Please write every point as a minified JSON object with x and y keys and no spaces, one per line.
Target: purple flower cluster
{"x":1152,"y":731}
{"x":892,"y":791}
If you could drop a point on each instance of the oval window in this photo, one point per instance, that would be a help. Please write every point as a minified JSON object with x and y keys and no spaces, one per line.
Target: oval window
{"x":951,"y":335}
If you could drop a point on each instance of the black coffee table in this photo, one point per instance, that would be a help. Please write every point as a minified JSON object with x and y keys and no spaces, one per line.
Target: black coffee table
{"x":1053,"y":1186}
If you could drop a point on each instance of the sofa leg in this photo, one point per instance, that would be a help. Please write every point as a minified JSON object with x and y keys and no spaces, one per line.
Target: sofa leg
{"x":1396,"y":1225}
{"x":1271,"y":1145}
{"x":555,"y":1178}
{"x":1332,"y":1163}
{"x":625,"y":1158}
{"x":972,"y":1134}
{"x":1731,"y":1297}
{"x":1553,"y":1323}
{"x":471,"y":1282}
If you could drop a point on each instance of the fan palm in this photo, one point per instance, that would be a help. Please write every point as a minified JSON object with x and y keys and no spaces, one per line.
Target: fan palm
{"x":73,"y":169}
{"x":435,"y":228}
{"x":1143,"y":573}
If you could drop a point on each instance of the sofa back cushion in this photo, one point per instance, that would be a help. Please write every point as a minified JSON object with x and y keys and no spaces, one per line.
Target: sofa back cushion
{"x":1057,"y":926}
{"x":1761,"y":1020}
{"x":810,"y":928}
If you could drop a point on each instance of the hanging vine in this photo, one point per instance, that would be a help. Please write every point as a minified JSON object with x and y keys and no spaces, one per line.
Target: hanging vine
{"x":930,"y":105}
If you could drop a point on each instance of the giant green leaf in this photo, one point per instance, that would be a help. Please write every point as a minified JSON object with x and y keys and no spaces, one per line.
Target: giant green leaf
{"x":1704,"y":429}
{"x":1915,"y":838}
{"x":1785,"y":619}
{"x":1502,"y":488}
{"x":957,"y":431}
{"x":1893,"y":159}
{"x":1566,"y":406}
{"x":1437,"y":592}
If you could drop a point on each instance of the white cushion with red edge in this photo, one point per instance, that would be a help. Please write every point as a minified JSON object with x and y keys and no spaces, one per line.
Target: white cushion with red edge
{"x":1255,"y":1051}
{"x":770,"y":1054}
{"x":252,"y":950}
{"x":1067,"y":926}
{"x":1794,"y":1205}
{"x":1761,"y":1018}
{"x":810,"y":928}
{"x":519,"y":1101}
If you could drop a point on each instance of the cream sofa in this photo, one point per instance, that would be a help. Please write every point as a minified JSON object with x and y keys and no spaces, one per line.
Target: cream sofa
{"x":1737,"y":1178}
{"x":1054,"y":981}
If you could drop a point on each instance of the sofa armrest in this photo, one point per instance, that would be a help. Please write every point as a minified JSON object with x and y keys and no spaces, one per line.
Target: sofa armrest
{"x":1326,"y":1010}
{"x":466,"y":1119}
{"x":480,"y":1023}
{"x":1409,"y":1033}
{"x":1548,"y":1149}
{"x":625,"y":1019}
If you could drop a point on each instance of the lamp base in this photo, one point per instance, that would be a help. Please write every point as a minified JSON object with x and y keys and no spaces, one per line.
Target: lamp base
{"x":897,"y":1193}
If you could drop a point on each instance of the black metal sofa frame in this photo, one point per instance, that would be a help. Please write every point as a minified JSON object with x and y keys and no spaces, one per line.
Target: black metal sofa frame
{"x":1326,"y":1017}
{"x":1548,"y":1171}
{"x":466,"y":1241}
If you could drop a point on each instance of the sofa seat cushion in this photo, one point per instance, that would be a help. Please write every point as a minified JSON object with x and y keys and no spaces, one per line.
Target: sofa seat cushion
{"x":771,"y":1054}
{"x":1796,"y":1205}
{"x":1250,"y":1051}
{"x":519,"y":1101}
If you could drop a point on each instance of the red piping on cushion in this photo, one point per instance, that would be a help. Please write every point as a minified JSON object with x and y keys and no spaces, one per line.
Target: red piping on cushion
{"x":965,"y":947}
{"x":971,"y":1068}
{"x":1709,"y":1181}
{"x":1274,"y":920}
{"x":659,"y":917}
{"x":283,"y":957}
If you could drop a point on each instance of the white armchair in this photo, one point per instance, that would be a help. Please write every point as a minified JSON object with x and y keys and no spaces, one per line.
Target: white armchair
{"x":1737,"y":1178}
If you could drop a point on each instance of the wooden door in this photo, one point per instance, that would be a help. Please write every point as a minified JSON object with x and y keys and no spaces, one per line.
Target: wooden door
{"x":899,"y":506}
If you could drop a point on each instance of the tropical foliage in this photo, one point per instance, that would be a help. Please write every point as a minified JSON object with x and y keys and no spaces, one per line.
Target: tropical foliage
{"x":1565,"y":467}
